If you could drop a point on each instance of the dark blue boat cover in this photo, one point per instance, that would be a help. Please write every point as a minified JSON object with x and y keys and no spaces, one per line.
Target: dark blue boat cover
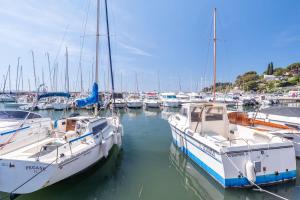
{"x":54,"y":94}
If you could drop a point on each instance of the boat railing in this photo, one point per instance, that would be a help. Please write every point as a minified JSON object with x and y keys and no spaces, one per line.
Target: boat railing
{"x":231,"y":140}
{"x":57,"y":147}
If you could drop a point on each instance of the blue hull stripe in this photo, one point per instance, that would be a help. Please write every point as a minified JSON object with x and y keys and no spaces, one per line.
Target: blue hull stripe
{"x":13,"y":131}
{"x":240,"y":182}
{"x":83,"y":136}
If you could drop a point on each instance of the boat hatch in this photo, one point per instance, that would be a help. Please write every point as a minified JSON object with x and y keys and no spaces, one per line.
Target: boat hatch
{"x":46,"y":149}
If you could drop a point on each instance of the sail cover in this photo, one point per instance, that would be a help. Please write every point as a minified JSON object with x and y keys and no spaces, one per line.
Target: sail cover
{"x":54,"y":94}
{"x":92,"y":99}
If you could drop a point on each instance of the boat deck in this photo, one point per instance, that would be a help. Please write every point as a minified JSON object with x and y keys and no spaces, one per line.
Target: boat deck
{"x":47,"y":150}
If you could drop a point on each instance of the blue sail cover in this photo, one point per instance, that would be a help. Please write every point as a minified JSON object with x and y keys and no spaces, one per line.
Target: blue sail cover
{"x":92,"y":99}
{"x":54,"y":94}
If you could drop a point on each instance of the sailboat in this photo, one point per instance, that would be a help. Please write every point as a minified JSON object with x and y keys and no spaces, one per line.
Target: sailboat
{"x":60,"y":148}
{"x":134,"y":100}
{"x":231,"y":154}
{"x":7,"y":97}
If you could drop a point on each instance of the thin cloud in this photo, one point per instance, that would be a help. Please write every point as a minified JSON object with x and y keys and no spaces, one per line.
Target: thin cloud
{"x":133,"y":50}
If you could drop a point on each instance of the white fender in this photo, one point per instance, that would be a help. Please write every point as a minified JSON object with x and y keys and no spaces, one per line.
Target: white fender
{"x":115,"y":138}
{"x":104,"y":148}
{"x":119,"y":140}
{"x":179,"y":141}
{"x":250,"y":171}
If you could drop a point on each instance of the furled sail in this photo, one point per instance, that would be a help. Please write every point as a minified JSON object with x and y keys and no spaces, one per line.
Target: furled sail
{"x":92,"y":99}
{"x":54,"y":94}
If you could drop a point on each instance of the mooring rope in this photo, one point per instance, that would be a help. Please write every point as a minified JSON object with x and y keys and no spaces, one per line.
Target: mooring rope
{"x":258,"y":187}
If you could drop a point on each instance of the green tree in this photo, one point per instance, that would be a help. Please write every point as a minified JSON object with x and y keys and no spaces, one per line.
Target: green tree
{"x":271,"y":69}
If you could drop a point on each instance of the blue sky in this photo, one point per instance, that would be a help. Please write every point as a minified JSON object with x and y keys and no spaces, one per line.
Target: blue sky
{"x":169,"y":37}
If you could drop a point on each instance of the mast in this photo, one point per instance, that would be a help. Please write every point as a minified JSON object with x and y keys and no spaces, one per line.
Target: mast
{"x":109,"y":55}
{"x":43,"y":78}
{"x":17,"y":79}
{"x":97,"y":50}
{"x":67,"y":71}
{"x":29,"y":85}
{"x":33,"y":64}
{"x":121,"y":83}
{"x":50,"y":74}
{"x":5,"y":79}
{"x":22,"y":86}
{"x":215,"y":54}
{"x":158,"y":81}
{"x":9,"y":79}
{"x":136,"y":83}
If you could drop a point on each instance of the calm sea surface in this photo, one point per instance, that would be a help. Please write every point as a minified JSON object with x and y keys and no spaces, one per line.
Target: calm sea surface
{"x":149,"y":167}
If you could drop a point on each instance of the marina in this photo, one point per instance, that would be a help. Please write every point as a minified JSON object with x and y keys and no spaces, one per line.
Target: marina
{"x":127,"y":104}
{"x":149,"y":168}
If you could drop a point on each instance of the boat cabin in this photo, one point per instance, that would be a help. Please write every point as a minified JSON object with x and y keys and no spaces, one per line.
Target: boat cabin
{"x":206,"y":118}
{"x":168,"y":95}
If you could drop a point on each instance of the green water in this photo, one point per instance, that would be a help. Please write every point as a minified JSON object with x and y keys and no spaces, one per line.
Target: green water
{"x":149,"y":167}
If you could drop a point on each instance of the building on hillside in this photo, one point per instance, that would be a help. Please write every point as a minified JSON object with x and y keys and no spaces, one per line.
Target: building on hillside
{"x":270,"y":77}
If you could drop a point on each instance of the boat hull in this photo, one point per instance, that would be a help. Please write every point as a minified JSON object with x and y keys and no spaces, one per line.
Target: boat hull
{"x":219,"y":165}
{"x":38,"y":174}
{"x":152,"y":104}
{"x":172,"y":104}
{"x":135,"y":104}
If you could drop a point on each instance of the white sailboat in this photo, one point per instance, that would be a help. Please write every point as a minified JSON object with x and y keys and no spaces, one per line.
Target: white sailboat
{"x":65,"y":147}
{"x":152,"y":100}
{"x":119,"y":100}
{"x":134,"y":101}
{"x":232,"y":154}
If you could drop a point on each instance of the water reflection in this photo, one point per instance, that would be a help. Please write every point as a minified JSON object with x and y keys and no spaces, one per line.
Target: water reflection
{"x":166,"y":112}
{"x":151,"y":112}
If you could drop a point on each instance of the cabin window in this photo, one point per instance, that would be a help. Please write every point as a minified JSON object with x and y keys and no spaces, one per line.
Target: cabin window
{"x":214,"y":114}
{"x":196,"y":115}
{"x":99,"y":128}
{"x":184,"y":112}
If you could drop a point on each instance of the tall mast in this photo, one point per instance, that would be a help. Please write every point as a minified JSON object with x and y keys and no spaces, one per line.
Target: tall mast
{"x":97,"y":50}
{"x":33,"y":64}
{"x":22,"y":86}
{"x":9,"y":79}
{"x":43,"y":78}
{"x":97,"y":42}
{"x":50,"y":74}
{"x":136,"y":83}
{"x":158,"y":80}
{"x":121,"y":82}
{"x":67,"y":71}
{"x":215,"y":54}
{"x":17,"y":79}
{"x":109,"y":55}
{"x":29,"y":89}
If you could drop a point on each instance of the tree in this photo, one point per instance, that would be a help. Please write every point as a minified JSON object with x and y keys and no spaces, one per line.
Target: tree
{"x":270,"y":69}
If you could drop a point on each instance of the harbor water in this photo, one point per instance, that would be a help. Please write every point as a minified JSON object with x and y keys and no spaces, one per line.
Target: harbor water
{"x":149,"y":167}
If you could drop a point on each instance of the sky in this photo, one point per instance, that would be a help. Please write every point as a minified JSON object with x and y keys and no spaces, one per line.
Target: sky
{"x":156,"y":44}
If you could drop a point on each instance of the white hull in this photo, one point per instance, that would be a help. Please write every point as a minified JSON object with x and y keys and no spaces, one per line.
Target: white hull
{"x":285,"y":120}
{"x":41,"y":170}
{"x":134,"y":104}
{"x":152,"y":104}
{"x":220,"y":168}
{"x":14,"y":105}
{"x":172,"y":104}
{"x":60,"y":106}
